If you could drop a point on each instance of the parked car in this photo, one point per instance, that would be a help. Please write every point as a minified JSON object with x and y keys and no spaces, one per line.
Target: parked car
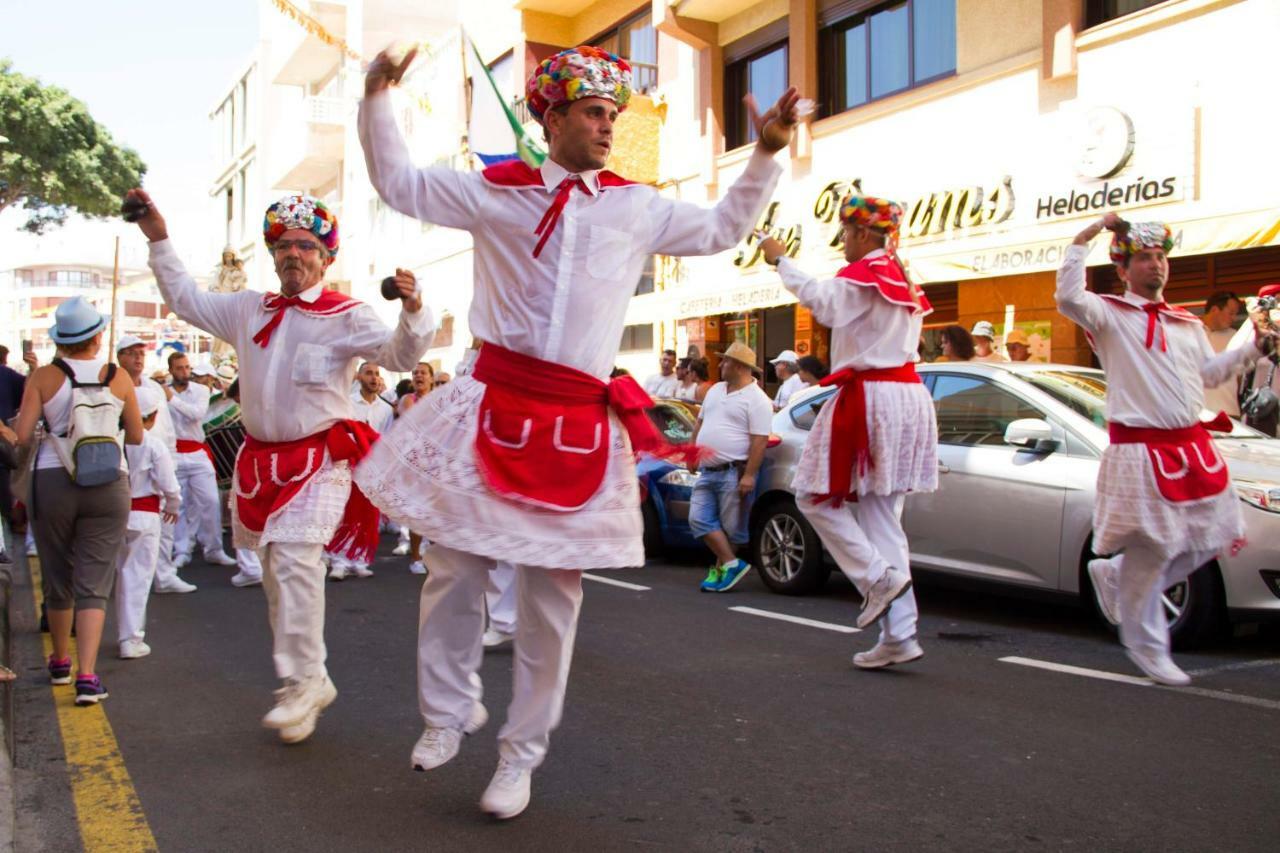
{"x":666,"y":486}
{"x":1018,"y":452}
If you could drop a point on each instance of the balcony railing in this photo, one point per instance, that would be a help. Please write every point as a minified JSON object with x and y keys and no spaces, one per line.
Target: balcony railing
{"x":320,"y":110}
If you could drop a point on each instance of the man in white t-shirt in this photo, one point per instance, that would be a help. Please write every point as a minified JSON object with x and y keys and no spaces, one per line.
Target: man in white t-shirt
{"x":984,"y":343}
{"x":665,"y":384}
{"x":789,"y":381}
{"x":733,"y":427}
{"x":1220,"y":312}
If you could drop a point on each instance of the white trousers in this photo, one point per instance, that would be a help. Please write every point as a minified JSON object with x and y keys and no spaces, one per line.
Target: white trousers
{"x":500,"y":597}
{"x":1143,"y":575}
{"x":248,"y":563}
{"x":293,"y":577}
{"x":865,"y":547}
{"x":450,"y":627}
{"x":200,"y":520}
{"x":138,"y":558}
{"x":164,"y":561}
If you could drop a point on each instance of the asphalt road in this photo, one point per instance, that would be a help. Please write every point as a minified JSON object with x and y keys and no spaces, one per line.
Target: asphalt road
{"x":689,"y":726}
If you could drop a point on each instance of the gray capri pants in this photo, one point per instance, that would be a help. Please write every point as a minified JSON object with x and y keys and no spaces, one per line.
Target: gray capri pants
{"x":78,"y":533}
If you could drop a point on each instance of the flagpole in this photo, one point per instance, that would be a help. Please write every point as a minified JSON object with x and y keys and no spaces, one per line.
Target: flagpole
{"x":115,"y":285}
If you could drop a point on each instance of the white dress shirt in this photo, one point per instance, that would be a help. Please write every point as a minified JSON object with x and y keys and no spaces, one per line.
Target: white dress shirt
{"x":658,"y":385}
{"x":867,"y":331}
{"x":377,"y":414}
{"x":1146,"y":387}
{"x":1224,"y":397}
{"x":299,"y":384}
{"x":568,"y":305}
{"x":188,"y":409}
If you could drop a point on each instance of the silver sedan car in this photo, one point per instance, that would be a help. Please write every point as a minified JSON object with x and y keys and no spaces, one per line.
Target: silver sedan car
{"x":1018,"y":453}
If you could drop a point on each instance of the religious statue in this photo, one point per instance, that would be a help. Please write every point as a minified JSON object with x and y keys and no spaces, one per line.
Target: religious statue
{"x":228,"y":277}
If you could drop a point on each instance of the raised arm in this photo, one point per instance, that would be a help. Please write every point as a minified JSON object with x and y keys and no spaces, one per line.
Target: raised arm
{"x":833,"y":302}
{"x":191,"y":409}
{"x":397,"y":349}
{"x":1218,"y":368}
{"x":1072,"y":295}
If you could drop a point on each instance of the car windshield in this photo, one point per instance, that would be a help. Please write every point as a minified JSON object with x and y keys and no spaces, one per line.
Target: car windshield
{"x":1083,"y":392}
{"x":675,"y":425}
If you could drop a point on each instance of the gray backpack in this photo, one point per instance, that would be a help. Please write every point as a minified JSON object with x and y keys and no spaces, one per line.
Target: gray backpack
{"x":92,"y":450}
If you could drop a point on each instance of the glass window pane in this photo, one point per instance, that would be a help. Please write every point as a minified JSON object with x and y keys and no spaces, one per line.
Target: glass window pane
{"x":855,"y":66}
{"x":934,"y":22}
{"x":889,"y":51}
{"x":975,"y":412}
{"x":641,"y":41}
{"x":767,"y":80}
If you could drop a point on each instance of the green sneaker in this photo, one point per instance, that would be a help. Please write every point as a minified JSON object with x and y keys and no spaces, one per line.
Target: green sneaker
{"x":712,"y":581}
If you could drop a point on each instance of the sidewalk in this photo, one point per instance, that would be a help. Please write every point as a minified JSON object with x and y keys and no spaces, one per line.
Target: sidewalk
{"x":6,"y":693}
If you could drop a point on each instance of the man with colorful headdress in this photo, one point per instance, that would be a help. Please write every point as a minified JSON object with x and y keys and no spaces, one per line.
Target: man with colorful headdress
{"x":298,"y":351}
{"x":877,"y":440}
{"x":1165,"y":498}
{"x":530,"y":458}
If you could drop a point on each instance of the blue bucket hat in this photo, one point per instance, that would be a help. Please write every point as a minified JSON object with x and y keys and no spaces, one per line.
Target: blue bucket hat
{"x":75,"y":321}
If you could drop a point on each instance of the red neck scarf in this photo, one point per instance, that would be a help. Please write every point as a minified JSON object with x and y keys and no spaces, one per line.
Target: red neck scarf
{"x":552,"y":217}
{"x":1157,"y":313}
{"x":329,"y":304}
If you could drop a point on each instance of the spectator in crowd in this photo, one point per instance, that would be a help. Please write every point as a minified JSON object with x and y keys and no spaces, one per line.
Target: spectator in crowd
{"x":1221,"y":310}
{"x":701,"y":374}
{"x":811,"y":369}
{"x":374,"y":411}
{"x":957,"y":344}
{"x":734,"y":425}
{"x":687,"y":390}
{"x":785,"y":364}
{"x":12,"y":384}
{"x":1018,"y":345}
{"x":1263,"y":386}
{"x":403,"y":388}
{"x":78,"y":529}
{"x":441,"y":380}
{"x":664,"y":384}
{"x":984,"y":338}
{"x":422,"y":381}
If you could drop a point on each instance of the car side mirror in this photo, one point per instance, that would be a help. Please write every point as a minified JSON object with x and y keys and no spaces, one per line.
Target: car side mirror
{"x":1032,"y":434}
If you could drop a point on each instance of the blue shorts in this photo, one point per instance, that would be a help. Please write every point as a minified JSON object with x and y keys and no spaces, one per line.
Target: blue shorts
{"x":716,"y":505}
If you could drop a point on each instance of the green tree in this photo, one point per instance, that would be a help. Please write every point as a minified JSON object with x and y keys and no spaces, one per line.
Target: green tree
{"x":57,"y":158}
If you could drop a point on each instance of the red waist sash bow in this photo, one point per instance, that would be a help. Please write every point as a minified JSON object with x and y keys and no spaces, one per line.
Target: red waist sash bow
{"x":186,"y":445}
{"x":543,"y":432}
{"x":850,"y":442}
{"x":270,"y":474}
{"x":146,"y":503}
{"x":1186,"y":465}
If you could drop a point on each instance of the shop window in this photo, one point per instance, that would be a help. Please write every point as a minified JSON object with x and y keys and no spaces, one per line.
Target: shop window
{"x":865,"y":54}
{"x":636,"y":40}
{"x":764,"y":75}
{"x":1101,"y":11}
{"x":637,"y":338}
{"x":975,"y":412}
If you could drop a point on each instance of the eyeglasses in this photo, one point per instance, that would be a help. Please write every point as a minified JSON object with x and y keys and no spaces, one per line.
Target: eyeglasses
{"x":306,"y":247}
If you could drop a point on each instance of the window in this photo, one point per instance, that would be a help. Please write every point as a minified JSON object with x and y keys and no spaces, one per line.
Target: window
{"x":1101,"y":11}
{"x":444,"y":335}
{"x":645,"y":285}
{"x":882,"y":51}
{"x":673,"y":422}
{"x":804,"y":416}
{"x":973,"y":411}
{"x":764,"y":75}
{"x":635,"y":40}
{"x":637,"y":337}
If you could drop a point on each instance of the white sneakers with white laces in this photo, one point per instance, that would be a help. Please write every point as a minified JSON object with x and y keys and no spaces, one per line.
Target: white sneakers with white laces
{"x":298,"y":699}
{"x":172,"y":584}
{"x":888,"y":653}
{"x":508,"y":792}
{"x":1159,"y":667}
{"x":887,"y":589}
{"x":1106,"y":589}
{"x":493,"y":638}
{"x":219,"y":558}
{"x":134,"y":648}
{"x":438,"y":746}
{"x":243,"y":579}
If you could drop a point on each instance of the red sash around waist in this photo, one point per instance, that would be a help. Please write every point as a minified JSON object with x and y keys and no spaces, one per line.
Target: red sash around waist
{"x":543,"y":431}
{"x":186,"y":445}
{"x":147,"y":503}
{"x":270,"y":474}
{"x":850,"y":441}
{"x":1185,"y":464}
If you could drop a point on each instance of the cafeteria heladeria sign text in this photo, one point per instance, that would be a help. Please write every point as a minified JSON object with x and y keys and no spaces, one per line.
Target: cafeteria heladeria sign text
{"x":1109,"y":196}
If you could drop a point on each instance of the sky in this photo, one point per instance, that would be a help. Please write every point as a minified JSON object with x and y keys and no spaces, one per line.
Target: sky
{"x":150,"y":71}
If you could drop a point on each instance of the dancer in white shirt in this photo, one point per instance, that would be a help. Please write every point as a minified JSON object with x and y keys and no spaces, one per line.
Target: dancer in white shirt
{"x":877,"y":440}
{"x":157,"y":498}
{"x":201,"y":519}
{"x":297,"y":353}
{"x":527,"y":460}
{"x":1165,"y":497}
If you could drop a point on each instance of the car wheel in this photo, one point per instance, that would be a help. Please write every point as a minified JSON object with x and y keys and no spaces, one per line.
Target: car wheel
{"x":1195,"y":608}
{"x":786,"y":551}
{"x":653,"y":544}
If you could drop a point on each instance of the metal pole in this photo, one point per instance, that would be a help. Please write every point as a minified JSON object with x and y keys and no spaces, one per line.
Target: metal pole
{"x":115,"y":284}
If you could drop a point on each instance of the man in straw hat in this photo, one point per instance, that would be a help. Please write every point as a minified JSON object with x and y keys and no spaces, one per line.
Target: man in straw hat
{"x":878,"y":439}
{"x":529,"y":459}
{"x":733,"y":428}
{"x":298,"y":351}
{"x":1164,"y":494}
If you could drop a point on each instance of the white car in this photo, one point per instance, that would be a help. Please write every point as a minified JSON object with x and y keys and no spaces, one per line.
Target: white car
{"x":1018,"y":453}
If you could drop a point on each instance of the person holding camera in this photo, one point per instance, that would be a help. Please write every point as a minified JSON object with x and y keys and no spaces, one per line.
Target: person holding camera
{"x":1261,"y":405}
{"x":298,"y":351}
{"x":1165,"y":503}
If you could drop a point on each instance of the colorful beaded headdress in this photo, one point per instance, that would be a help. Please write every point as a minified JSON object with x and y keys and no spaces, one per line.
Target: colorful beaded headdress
{"x":301,"y":212}
{"x":1139,"y":236}
{"x":872,"y":212}
{"x":580,"y":72}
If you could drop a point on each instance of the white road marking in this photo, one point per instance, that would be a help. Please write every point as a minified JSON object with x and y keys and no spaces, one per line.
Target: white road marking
{"x":1234,"y":667}
{"x":1269,"y":704}
{"x":798,"y":620}
{"x":611,"y":582}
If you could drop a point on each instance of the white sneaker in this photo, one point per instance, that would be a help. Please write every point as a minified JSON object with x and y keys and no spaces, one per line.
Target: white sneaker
{"x":299,"y":698}
{"x":1160,"y":668}
{"x":338,"y":572}
{"x":219,"y":558}
{"x":884,"y":654}
{"x":245,"y":579}
{"x":493,"y":638}
{"x":31,"y":549}
{"x":887,"y":589}
{"x":416,"y":568}
{"x":436,"y":747}
{"x":401,"y":549}
{"x":303,"y":730}
{"x":134,"y":648}
{"x":1105,"y":589}
{"x":174,"y":584}
{"x":181,"y":561}
{"x":361,"y":571}
{"x":508,"y":791}
{"x":479,"y":716}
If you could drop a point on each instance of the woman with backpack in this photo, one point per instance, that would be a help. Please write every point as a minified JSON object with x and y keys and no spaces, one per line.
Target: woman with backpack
{"x":79,"y":495}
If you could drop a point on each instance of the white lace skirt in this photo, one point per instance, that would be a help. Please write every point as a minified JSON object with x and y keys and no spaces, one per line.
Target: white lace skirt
{"x":1130,"y":510}
{"x":423,"y":474}
{"x":311,"y":517}
{"x":904,"y":444}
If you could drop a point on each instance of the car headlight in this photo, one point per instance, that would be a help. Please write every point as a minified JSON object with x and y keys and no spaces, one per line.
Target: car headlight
{"x":682,"y":477}
{"x":1262,"y":495}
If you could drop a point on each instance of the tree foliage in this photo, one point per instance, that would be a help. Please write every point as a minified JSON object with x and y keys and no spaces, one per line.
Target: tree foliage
{"x":57,"y":158}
